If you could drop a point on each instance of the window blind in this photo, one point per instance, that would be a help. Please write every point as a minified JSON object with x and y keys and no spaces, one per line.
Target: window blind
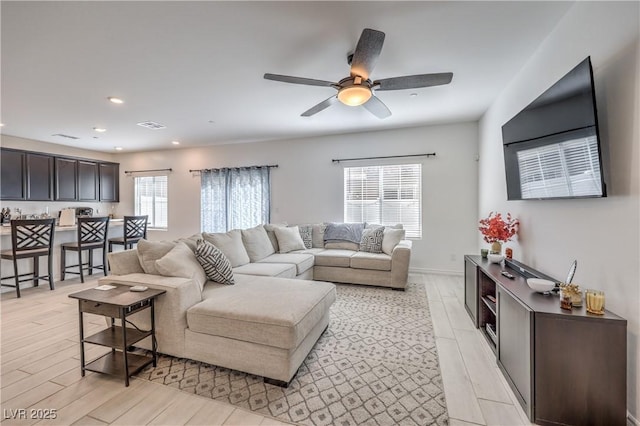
{"x":151,"y":199}
{"x":386,"y":195}
{"x":565,"y":169}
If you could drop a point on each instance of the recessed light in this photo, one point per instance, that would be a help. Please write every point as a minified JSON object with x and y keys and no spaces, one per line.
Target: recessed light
{"x":1,"y":124}
{"x":175,"y":142}
{"x":115,"y":100}
{"x":413,"y":95}
{"x":99,"y":129}
{"x":211,"y":122}
{"x":118,"y":148}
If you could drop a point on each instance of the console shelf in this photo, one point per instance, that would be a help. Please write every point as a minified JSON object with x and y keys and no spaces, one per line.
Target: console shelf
{"x":547,"y":354}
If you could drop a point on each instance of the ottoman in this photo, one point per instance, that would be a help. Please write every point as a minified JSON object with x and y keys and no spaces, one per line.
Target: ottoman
{"x":261,"y":325}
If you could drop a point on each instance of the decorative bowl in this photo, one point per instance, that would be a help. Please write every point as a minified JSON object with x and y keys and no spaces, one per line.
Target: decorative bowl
{"x":540,"y":285}
{"x":495,"y":258}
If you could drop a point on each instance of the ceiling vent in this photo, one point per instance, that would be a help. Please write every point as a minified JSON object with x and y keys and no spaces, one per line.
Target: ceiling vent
{"x":66,"y":136}
{"x":152,"y":125}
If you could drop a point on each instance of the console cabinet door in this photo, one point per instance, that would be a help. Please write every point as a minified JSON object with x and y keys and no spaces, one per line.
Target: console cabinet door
{"x":12,"y":173}
{"x":66,"y":178}
{"x":515,"y":323}
{"x":39,"y":177}
{"x":87,"y":181}
{"x":109,"y":182}
{"x":471,"y":290}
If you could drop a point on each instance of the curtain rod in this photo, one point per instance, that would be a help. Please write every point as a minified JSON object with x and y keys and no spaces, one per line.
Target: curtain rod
{"x":231,"y":168}
{"x":430,"y":154}
{"x":147,"y":171}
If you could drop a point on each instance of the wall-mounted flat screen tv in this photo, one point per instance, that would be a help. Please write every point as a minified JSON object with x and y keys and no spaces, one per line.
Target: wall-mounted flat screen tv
{"x":552,"y":148}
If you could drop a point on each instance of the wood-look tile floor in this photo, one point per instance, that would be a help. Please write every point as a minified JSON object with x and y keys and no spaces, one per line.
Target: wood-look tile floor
{"x":40,"y":369}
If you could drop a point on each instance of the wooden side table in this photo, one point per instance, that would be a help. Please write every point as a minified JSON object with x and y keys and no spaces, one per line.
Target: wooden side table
{"x":120,"y":303}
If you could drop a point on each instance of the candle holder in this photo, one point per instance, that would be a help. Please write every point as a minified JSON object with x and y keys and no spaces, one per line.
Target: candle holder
{"x":595,"y":301}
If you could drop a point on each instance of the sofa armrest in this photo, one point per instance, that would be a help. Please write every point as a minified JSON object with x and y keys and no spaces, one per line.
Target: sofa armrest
{"x":400,"y":258}
{"x":124,"y":262}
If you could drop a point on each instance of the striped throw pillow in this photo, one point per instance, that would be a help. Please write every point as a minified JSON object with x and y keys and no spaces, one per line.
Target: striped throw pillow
{"x":215,"y":264}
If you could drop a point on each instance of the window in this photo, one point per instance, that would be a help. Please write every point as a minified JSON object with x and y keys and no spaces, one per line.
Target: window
{"x":386,"y":195}
{"x":234,"y":198}
{"x":151,"y":199}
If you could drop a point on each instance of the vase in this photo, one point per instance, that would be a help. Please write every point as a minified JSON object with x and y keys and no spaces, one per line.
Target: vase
{"x":496,"y":247}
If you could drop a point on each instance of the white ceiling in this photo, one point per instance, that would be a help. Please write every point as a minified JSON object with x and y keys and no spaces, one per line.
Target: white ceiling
{"x":197,"y":67}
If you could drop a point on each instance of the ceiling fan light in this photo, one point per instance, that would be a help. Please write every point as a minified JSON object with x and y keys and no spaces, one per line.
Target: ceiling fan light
{"x":354,"y":95}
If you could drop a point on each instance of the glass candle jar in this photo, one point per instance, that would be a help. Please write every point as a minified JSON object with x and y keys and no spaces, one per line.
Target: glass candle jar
{"x":595,"y":301}
{"x":565,"y":300}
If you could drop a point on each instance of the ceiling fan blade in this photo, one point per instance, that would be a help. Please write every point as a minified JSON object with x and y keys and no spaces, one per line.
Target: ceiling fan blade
{"x":298,"y":80}
{"x":376,"y":107}
{"x":413,"y":81}
{"x":366,"y":53}
{"x":322,"y":105}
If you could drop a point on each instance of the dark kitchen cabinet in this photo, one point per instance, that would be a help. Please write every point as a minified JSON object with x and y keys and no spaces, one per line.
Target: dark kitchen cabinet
{"x":88,"y":186}
{"x":66,"y":178}
{"x":39,"y":177}
{"x":109,"y":182}
{"x":12,"y":178}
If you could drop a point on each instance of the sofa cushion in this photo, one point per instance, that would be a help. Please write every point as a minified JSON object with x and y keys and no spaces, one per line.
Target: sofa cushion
{"x":270,"y":229}
{"x":391,"y":238}
{"x":268,"y":311}
{"x":377,"y":261}
{"x":342,"y":245}
{"x":150,"y":251}
{"x":371,"y":241}
{"x":306,"y":233}
{"x":181,"y":262}
{"x":215,"y":264}
{"x":230,"y":243}
{"x":257,"y":243}
{"x":317,"y":235}
{"x":282,"y":270}
{"x":289,"y":239}
{"x":302,"y":262}
{"x":333,"y":257}
{"x":309,"y":251}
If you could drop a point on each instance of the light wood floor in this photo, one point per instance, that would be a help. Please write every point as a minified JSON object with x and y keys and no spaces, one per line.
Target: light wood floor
{"x":39,"y":369}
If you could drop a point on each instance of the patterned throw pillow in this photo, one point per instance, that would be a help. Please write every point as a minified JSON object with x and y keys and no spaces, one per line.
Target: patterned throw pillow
{"x":214,"y":262}
{"x":306,"y":232}
{"x":371,"y":241}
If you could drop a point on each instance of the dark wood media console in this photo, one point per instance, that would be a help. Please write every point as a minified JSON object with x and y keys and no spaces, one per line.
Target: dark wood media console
{"x":565,"y":367}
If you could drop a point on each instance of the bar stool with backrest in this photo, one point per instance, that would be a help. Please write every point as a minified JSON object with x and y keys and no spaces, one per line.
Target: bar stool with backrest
{"x":30,"y":239}
{"x":92,"y":235}
{"x":135,"y":228}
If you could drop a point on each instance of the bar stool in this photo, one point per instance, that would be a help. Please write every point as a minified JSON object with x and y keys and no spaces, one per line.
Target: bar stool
{"x":135,"y":228}
{"x":30,"y":239}
{"x":92,"y":235}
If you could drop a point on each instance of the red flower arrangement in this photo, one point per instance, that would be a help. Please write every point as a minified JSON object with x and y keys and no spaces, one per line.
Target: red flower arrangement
{"x":496,"y":229}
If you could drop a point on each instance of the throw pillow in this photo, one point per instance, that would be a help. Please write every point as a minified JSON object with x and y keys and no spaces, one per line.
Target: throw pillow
{"x":257,"y":243}
{"x":215,"y":264}
{"x":306,"y":233}
{"x":318,"y":235}
{"x":289,"y":239}
{"x":230,"y":243}
{"x":269,"y":227}
{"x":191,"y":241}
{"x":391,"y":239}
{"x":181,"y":262}
{"x":150,"y":251}
{"x":372,"y":240}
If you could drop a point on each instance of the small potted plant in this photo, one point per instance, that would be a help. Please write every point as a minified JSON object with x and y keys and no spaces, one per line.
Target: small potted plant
{"x":497,"y":230}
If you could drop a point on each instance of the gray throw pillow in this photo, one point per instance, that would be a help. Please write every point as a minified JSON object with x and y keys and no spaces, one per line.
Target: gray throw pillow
{"x":371,"y":241}
{"x":215,"y":264}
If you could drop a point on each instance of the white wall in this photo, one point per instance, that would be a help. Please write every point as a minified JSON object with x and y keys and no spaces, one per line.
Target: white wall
{"x":308,"y":187}
{"x":602,"y":234}
{"x":38,"y":207}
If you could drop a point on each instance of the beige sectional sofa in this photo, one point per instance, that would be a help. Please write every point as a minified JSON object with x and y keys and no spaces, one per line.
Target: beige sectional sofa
{"x":268,"y":321}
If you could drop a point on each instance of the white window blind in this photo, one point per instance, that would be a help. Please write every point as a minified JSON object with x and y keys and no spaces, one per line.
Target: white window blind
{"x":566,"y":169}
{"x":386,"y":195}
{"x":151,"y":199}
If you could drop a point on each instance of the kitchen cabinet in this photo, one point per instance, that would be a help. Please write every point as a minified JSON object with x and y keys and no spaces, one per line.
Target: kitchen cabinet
{"x":88,"y":184}
{"x":66,"y":179}
{"x":12,"y":175}
{"x":109,"y":182}
{"x":39,"y":177}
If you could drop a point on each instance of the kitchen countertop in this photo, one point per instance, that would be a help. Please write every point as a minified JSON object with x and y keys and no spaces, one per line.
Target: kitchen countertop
{"x":5,"y":229}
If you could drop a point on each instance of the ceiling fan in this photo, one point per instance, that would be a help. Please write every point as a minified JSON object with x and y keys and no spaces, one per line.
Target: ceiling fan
{"x":358,"y":88}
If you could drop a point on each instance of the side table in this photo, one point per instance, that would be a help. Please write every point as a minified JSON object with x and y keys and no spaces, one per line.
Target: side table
{"x":118,"y":302}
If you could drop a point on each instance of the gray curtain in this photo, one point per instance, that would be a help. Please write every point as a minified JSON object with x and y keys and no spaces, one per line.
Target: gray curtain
{"x":234,"y":198}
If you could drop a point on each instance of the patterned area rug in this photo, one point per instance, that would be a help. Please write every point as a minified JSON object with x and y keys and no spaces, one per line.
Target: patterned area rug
{"x":376,"y":364}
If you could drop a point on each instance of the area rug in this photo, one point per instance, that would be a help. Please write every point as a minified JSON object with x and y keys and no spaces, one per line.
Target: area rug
{"x":376,"y":364}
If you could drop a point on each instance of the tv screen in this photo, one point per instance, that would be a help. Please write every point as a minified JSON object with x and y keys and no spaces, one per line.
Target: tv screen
{"x":552,"y":148}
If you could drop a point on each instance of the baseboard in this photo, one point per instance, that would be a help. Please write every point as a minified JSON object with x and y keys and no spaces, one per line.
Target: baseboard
{"x":435,"y":271}
{"x":632,"y":421}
